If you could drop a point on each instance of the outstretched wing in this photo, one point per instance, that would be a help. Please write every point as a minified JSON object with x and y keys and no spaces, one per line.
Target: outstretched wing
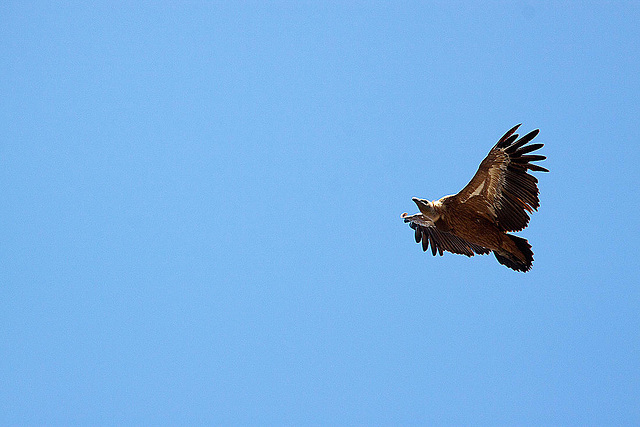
{"x":426,"y":232}
{"x":502,"y":187}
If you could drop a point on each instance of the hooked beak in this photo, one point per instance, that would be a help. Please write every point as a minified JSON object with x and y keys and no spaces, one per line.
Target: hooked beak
{"x":420,"y":202}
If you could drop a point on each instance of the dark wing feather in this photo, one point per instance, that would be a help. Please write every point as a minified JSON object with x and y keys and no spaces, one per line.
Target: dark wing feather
{"x":427,"y":233}
{"x":502,"y":185}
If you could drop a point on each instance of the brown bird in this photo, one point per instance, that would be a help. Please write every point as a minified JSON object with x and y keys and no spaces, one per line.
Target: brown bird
{"x":496,"y":201}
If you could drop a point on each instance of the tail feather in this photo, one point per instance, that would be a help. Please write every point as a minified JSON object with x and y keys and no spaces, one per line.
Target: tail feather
{"x":513,"y":261}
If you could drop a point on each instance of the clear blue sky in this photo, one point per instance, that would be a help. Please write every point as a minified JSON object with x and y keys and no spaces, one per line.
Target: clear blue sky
{"x":200,"y":217}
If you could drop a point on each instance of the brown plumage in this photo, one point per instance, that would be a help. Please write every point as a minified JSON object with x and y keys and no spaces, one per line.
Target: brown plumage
{"x":497,"y":200}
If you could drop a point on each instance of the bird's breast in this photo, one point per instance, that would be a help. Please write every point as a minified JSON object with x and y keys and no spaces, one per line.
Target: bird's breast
{"x":443,"y":225}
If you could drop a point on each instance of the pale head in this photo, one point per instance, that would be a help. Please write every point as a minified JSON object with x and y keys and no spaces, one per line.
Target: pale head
{"x":427,"y":208}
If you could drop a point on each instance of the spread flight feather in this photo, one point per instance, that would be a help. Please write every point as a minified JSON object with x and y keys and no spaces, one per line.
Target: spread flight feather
{"x":497,"y":200}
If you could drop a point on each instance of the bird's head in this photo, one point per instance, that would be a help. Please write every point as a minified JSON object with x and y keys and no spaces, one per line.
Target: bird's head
{"x":427,"y":208}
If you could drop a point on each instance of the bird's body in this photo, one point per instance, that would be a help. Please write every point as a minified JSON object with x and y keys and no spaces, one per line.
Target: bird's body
{"x":496,"y":201}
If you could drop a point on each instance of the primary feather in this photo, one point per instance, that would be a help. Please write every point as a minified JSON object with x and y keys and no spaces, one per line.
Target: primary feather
{"x":497,"y":200}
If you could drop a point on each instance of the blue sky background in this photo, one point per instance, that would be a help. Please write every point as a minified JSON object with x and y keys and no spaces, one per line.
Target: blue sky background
{"x":200,"y":217}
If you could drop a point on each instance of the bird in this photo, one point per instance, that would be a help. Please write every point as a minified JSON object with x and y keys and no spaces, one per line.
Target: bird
{"x":496,"y":202}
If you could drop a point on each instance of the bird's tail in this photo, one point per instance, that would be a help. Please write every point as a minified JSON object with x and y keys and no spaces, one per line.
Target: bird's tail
{"x":517,"y":255}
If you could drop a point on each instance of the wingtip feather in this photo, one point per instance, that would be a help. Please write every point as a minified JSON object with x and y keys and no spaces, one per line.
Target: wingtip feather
{"x":508,"y":134}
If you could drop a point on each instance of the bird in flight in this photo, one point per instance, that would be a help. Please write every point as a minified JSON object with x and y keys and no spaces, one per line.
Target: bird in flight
{"x":497,"y":200}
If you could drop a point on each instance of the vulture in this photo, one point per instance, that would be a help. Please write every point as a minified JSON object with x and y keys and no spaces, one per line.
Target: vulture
{"x":497,"y":200}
